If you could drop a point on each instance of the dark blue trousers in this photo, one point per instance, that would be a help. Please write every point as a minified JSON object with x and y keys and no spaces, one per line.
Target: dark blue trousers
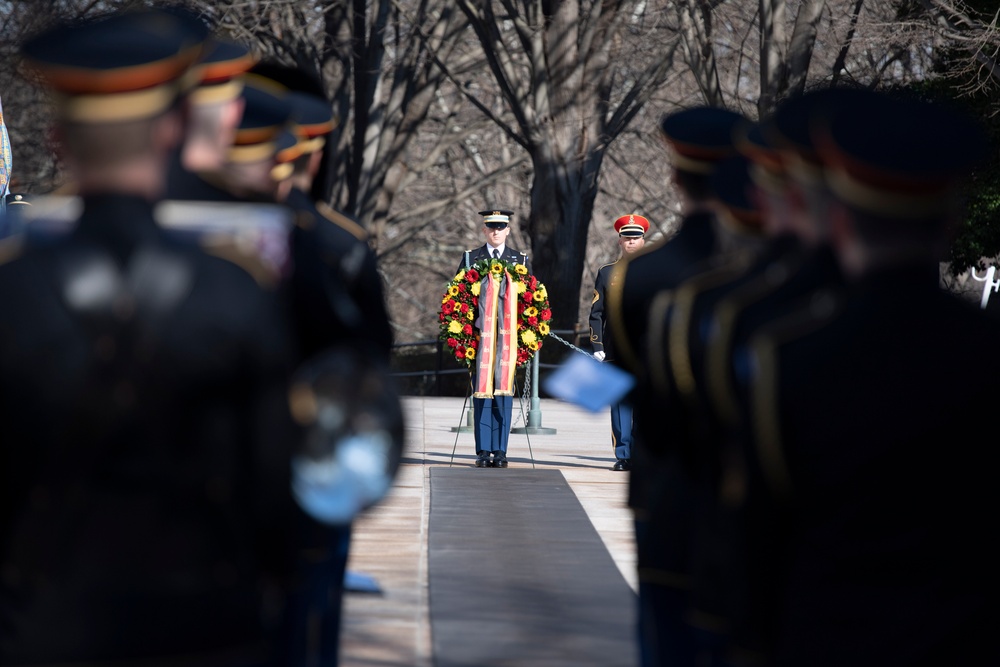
{"x":315,"y":604}
{"x":621,"y":429}
{"x":491,"y":418}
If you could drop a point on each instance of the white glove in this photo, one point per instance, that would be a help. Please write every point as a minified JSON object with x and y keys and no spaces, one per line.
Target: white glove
{"x":599,"y":355}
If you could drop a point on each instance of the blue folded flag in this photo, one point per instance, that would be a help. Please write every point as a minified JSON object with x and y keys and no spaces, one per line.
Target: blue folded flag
{"x":588,"y":383}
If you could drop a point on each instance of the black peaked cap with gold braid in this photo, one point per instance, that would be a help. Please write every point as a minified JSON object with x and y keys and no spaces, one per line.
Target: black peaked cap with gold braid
{"x":898,"y":158}
{"x":266,"y":114}
{"x":220,"y":71}
{"x":699,"y":137}
{"x":124,"y":66}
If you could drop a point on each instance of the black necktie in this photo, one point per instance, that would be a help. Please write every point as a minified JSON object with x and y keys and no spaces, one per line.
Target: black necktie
{"x":496,"y":254}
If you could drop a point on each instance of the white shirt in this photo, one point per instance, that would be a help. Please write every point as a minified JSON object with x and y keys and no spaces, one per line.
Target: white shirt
{"x":500,"y":248}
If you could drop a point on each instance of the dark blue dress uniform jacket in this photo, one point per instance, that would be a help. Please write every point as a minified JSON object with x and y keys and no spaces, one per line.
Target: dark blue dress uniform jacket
{"x":145,"y":459}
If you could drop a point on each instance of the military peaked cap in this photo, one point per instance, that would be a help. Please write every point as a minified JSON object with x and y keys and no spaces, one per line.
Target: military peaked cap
{"x":700,"y":137}
{"x":266,"y":113}
{"x":897,"y":157}
{"x":123,"y":66}
{"x":631,"y":225}
{"x":220,"y":71}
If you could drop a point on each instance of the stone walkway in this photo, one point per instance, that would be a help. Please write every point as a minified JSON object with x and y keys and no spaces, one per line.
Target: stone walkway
{"x":390,"y":542}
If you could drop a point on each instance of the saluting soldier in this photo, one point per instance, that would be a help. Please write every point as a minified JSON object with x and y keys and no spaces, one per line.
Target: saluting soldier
{"x":870,"y":481}
{"x":492,"y":407}
{"x":145,"y":461}
{"x":631,"y":230}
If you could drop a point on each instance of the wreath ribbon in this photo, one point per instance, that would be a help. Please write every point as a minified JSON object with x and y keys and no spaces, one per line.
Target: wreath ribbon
{"x":497,"y":324}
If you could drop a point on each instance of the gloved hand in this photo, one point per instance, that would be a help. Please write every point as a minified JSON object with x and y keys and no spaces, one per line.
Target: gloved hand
{"x":599,"y":355}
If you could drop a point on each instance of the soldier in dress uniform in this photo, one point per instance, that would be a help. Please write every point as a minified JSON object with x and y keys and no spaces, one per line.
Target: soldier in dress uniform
{"x":631,"y":237}
{"x":145,"y":462}
{"x":346,"y":259}
{"x":869,"y":479}
{"x":214,"y":109}
{"x":492,"y":415}
{"x":345,"y":244}
{"x":698,"y":139}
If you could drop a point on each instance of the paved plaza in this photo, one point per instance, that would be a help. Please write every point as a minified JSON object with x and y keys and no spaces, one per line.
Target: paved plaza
{"x":393,"y":628}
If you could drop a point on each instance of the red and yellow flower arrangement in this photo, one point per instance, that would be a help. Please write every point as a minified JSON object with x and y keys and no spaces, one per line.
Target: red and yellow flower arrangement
{"x":460,"y":309}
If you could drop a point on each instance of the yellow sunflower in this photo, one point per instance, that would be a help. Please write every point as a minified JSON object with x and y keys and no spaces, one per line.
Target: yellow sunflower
{"x":453,"y":290}
{"x":521,"y":269}
{"x":528,"y":337}
{"x":470,"y":353}
{"x":470,"y":316}
{"x":539,"y":296}
{"x":520,"y":288}
{"x":530,"y":311}
{"x":475,"y":289}
{"x":461,"y":274}
{"x":543,"y":328}
{"x":496,"y":267}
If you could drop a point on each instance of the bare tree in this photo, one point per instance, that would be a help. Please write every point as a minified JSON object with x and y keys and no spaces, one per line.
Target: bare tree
{"x":562,"y":70}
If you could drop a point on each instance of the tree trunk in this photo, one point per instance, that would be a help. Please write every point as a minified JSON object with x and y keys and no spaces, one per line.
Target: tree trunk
{"x":562,"y":203}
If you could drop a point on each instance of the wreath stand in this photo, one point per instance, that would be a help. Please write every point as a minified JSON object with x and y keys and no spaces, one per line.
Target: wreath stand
{"x":467,"y":416}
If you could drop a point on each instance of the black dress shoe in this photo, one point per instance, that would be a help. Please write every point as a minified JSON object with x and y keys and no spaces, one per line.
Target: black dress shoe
{"x":483,"y":460}
{"x":622,"y":464}
{"x":499,"y":460}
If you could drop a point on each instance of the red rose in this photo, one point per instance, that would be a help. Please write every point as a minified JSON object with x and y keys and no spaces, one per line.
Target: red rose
{"x":474,"y":343}
{"x":539,"y":345}
{"x":533,"y":283}
{"x":461,"y":287}
{"x":441,"y":317}
{"x":546,"y":315}
{"x":467,"y":329}
{"x":472,"y":276}
{"x":520,"y":307}
{"x":533,"y":321}
{"x":465,"y":308}
{"x":452,"y":342}
{"x":528,"y":296}
{"x":460,"y":352}
{"x":475,"y":301}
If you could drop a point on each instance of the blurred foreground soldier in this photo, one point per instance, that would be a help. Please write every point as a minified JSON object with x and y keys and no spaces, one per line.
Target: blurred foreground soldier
{"x":145,"y":462}
{"x":331,"y":253}
{"x":698,"y":139}
{"x":350,"y":408}
{"x":493,"y":381}
{"x":870,"y":481}
{"x":343,"y":254}
{"x":631,"y":237}
{"x":214,"y":109}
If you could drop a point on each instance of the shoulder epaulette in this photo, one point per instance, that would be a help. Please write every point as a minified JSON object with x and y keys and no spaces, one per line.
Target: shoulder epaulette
{"x":227,"y":248}
{"x":812,"y":314}
{"x":10,"y":249}
{"x":342,"y":221}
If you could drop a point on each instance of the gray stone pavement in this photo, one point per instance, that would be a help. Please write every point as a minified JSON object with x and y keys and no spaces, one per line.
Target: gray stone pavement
{"x":390,"y":541}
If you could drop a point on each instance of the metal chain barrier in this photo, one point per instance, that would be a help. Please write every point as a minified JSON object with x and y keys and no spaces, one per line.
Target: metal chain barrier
{"x":526,"y":394}
{"x":570,"y":345}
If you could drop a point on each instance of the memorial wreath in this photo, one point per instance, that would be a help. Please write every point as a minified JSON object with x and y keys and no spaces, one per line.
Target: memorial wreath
{"x":477,"y":303}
